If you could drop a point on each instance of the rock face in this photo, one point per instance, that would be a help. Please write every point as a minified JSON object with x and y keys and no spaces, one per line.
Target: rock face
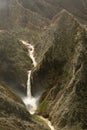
{"x":49,"y":8}
{"x":14,"y":61}
{"x":62,"y":72}
{"x":14,"y":16}
{"x":34,"y":15}
{"x":70,"y":108}
{"x":13,"y":114}
{"x":55,"y":27}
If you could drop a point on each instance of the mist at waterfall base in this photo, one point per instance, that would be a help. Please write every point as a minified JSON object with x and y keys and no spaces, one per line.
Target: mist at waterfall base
{"x":30,"y":101}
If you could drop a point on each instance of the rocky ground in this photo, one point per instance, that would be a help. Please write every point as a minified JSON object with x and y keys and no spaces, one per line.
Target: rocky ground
{"x":13,"y":113}
{"x":62,"y":73}
{"x":58,"y":30}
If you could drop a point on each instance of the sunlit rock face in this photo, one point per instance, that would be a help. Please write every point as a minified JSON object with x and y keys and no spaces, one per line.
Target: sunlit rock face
{"x":71,"y":103}
{"x":65,"y":63}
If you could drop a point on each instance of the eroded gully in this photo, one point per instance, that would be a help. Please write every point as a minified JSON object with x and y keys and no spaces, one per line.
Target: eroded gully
{"x":30,"y":101}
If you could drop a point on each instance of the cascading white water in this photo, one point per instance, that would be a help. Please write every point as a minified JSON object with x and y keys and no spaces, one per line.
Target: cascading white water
{"x":47,"y":122}
{"x":31,"y":52}
{"x":30,"y":101}
{"x":29,"y":85}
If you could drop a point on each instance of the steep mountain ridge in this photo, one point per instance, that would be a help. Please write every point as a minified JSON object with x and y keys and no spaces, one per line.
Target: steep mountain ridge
{"x":62,"y":72}
{"x":43,"y":8}
{"x":35,"y":15}
{"x":71,"y":105}
{"x":14,"y":62}
{"x":14,"y":16}
{"x":56,"y":38}
{"x":55,"y":28}
{"x":49,"y":8}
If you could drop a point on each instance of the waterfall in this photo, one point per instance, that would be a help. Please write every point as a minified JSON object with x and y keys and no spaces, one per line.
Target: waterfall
{"x":47,"y":122}
{"x":30,"y":101}
{"x":29,"y":85}
{"x":31,"y":54}
{"x":30,"y":51}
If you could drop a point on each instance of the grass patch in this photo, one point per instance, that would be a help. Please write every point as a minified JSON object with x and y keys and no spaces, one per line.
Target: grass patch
{"x":42,"y":107}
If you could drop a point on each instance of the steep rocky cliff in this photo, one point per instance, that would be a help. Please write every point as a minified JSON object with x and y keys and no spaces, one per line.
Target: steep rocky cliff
{"x":49,"y":8}
{"x":26,"y":17}
{"x":57,"y":28}
{"x":14,"y":17}
{"x":13,"y":114}
{"x":62,"y":73}
{"x":14,"y":64}
{"x":14,"y":61}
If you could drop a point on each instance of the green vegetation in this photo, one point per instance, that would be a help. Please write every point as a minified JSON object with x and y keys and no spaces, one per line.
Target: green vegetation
{"x":42,"y":107}
{"x":63,"y":70}
{"x":37,"y":118}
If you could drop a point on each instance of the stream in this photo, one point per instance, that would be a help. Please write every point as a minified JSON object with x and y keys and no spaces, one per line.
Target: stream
{"x":30,"y":101}
{"x":47,"y":122}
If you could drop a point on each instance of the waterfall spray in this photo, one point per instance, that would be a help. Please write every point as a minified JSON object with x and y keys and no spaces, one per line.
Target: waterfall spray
{"x":30,"y":101}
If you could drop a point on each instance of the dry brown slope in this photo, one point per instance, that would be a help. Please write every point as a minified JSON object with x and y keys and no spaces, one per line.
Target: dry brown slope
{"x":14,"y":16}
{"x":13,"y":113}
{"x":63,"y":73}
